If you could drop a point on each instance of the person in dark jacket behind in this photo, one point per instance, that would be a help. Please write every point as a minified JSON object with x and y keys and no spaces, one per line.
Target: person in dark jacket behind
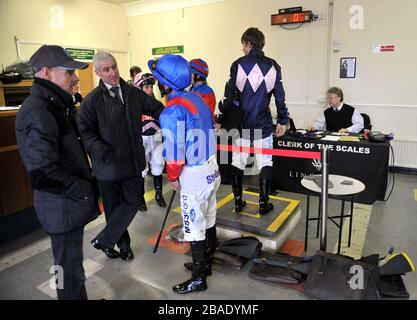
{"x":72,"y":111}
{"x":76,"y":95}
{"x":256,"y":78}
{"x":109,"y":122}
{"x":133,"y":71}
{"x":58,"y":169}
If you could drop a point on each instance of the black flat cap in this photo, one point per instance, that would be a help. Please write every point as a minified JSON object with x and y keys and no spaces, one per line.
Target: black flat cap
{"x":54,"y":56}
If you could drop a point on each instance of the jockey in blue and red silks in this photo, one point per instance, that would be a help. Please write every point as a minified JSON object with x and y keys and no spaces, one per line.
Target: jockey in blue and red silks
{"x":200,"y":71}
{"x":190,"y":154}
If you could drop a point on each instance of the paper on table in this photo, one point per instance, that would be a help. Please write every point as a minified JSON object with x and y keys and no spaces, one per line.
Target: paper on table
{"x":331,"y":138}
{"x":9,"y":108}
{"x":350,"y":139}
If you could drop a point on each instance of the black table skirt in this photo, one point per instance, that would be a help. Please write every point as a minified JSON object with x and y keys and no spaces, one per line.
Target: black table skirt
{"x":365,"y":161}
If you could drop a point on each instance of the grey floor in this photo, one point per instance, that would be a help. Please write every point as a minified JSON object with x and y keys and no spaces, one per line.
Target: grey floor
{"x":25,"y":262}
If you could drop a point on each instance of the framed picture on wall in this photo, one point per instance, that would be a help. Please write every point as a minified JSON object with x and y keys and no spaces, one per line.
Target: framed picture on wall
{"x":348,"y":67}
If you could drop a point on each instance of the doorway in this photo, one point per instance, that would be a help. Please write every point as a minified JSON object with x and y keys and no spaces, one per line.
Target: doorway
{"x":86,"y":79}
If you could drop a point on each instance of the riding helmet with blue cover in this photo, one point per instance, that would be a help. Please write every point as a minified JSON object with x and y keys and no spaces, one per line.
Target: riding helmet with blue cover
{"x":171,"y":70}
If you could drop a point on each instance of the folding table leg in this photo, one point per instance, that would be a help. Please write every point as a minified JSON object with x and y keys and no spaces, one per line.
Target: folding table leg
{"x":307,"y":221}
{"x":341,"y":225}
{"x":351,"y":221}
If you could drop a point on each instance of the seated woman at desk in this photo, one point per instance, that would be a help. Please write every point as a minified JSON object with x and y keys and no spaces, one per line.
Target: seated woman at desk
{"x":339,"y":117}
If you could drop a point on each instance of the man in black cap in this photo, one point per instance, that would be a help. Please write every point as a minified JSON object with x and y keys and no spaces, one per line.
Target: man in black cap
{"x":58,"y":169}
{"x":110,"y":126}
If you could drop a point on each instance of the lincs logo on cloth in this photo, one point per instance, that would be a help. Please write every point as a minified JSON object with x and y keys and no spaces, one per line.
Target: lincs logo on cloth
{"x":317,"y":164}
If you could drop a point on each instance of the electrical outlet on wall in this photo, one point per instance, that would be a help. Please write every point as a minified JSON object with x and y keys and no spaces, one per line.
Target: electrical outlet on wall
{"x":336,"y":45}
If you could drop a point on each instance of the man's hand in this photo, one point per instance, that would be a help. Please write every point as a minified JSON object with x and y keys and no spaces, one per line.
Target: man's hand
{"x":280,"y":130}
{"x":343,"y":130}
{"x":311,"y":129}
{"x":176,"y":185}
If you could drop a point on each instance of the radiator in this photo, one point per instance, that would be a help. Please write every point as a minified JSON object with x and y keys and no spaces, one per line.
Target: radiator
{"x":405,"y":153}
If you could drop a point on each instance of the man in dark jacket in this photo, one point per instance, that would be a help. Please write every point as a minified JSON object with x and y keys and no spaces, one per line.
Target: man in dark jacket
{"x":109,"y":122}
{"x":255,"y":78}
{"x":58,"y":169}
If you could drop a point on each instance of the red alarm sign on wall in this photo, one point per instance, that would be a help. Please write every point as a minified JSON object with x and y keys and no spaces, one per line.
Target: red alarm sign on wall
{"x":383,"y":48}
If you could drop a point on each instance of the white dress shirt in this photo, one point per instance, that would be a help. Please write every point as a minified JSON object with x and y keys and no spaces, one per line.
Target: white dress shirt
{"x":357,"y":121}
{"x":112,"y":93}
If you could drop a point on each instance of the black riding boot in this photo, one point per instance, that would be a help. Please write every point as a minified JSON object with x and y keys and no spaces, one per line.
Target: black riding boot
{"x":211,"y":239}
{"x":198,"y":279}
{"x":237,"y":190}
{"x":142,"y":202}
{"x":264,"y":205}
{"x":157,"y":182}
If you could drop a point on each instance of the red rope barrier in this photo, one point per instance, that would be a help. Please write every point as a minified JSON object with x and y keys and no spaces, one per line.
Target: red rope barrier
{"x":275,"y":152}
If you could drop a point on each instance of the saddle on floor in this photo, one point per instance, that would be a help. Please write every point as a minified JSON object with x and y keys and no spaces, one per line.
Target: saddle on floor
{"x":333,"y":276}
{"x":280,"y":268}
{"x":244,"y":247}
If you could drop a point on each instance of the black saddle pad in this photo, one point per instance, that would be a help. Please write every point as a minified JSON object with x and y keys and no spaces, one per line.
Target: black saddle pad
{"x":262,"y":271}
{"x":393,"y":287}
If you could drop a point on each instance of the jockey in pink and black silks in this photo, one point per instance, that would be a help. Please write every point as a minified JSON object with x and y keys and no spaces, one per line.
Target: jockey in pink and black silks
{"x":152,"y":140}
{"x":254,"y":79}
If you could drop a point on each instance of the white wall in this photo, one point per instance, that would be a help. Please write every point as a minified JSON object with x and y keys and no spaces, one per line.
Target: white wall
{"x":213,"y":32}
{"x":92,"y":24}
{"x":385,"y":85}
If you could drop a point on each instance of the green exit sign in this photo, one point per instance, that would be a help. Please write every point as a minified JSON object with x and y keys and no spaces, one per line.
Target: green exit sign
{"x":80,"y":54}
{"x":165,"y":50}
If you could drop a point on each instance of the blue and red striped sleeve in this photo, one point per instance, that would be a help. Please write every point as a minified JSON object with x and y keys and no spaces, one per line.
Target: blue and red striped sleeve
{"x":171,"y":120}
